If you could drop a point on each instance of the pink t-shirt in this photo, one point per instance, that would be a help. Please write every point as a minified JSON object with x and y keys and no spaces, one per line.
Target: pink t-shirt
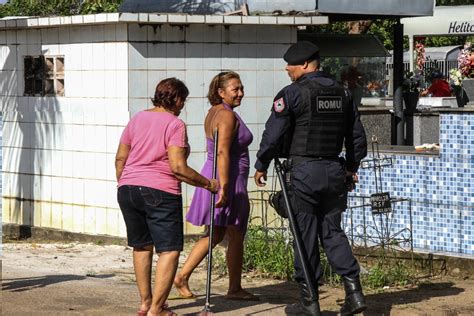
{"x":149,"y":134}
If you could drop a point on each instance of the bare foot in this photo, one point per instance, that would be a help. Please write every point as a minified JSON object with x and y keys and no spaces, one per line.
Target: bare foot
{"x":241,"y":295}
{"x":165,"y":311}
{"x":182,"y":286}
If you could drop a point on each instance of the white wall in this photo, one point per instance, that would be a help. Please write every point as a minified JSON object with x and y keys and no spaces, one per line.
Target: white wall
{"x":195,"y":54}
{"x":58,"y":167}
{"x":59,"y":151}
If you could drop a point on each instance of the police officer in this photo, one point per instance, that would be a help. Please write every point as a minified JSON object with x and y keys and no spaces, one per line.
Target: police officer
{"x":310,"y":121}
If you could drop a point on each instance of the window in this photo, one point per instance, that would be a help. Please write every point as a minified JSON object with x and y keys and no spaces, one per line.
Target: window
{"x":44,"y":75}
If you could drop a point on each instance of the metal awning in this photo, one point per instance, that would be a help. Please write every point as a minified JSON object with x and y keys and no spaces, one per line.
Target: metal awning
{"x":336,"y":10}
{"x":345,"y":45}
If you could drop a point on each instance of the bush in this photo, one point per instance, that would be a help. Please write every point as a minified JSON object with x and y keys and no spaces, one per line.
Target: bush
{"x":268,"y":252}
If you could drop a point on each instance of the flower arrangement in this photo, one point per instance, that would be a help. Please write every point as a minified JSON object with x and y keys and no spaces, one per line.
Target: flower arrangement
{"x":420,"y":56}
{"x":455,"y":77}
{"x":464,"y":63}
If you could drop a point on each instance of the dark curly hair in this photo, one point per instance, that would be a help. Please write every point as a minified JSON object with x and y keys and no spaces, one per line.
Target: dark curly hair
{"x":220,"y":82}
{"x":168,"y":92}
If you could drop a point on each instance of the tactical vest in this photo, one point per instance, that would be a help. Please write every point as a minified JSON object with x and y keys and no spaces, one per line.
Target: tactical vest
{"x":319,"y":131}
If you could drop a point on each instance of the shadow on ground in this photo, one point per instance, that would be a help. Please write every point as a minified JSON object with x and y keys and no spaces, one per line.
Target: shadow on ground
{"x":26,"y":284}
{"x":282,"y":294}
{"x":382,"y":303}
{"x":279,"y":295}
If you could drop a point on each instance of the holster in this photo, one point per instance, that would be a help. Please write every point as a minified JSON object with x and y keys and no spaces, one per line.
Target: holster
{"x":276,"y":199}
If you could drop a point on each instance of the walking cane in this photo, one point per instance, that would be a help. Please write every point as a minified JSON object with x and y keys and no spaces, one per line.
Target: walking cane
{"x":207,"y":306}
{"x":294,"y":229}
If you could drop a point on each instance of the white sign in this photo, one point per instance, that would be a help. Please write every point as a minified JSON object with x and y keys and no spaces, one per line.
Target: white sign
{"x":458,"y":27}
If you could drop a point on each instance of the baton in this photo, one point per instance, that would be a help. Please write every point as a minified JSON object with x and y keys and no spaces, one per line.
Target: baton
{"x":294,"y":229}
{"x":207,"y":306}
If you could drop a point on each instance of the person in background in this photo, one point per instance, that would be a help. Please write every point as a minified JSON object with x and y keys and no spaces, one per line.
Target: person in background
{"x":439,"y":86}
{"x":310,"y":121}
{"x":225,"y":94}
{"x":353,"y":80}
{"x":150,"y":164}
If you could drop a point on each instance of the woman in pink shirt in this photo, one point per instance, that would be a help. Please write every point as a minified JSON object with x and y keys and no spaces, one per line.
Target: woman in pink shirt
{"x":150,"y":164}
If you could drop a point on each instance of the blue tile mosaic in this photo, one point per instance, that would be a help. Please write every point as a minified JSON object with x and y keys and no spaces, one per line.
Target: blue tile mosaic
{"x":440,"y":190}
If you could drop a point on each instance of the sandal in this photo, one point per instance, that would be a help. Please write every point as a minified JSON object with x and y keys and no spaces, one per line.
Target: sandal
{"x":144,"y":313}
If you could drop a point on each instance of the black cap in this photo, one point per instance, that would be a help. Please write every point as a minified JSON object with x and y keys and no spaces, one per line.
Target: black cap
{"x":300,"y":52}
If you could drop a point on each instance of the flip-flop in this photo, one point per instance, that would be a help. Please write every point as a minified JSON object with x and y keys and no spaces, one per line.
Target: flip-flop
{"x":181,"y":297}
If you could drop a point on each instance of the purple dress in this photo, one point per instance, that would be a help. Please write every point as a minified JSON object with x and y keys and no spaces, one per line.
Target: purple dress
{"x":236,"y":212}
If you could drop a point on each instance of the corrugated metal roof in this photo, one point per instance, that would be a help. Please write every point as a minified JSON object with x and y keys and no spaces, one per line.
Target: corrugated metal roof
{"x":337,"y":10}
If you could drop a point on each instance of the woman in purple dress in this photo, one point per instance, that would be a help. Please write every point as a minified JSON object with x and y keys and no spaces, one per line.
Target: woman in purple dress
{"x":232,"y":207}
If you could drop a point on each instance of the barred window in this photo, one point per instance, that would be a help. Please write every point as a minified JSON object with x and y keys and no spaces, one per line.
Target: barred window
{"x":44,"y":75}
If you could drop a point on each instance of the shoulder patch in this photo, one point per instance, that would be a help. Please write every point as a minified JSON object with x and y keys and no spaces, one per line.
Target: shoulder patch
{"x":279,"y":105}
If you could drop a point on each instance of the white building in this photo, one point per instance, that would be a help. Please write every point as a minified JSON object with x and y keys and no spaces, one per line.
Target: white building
{"x":68,"y":86}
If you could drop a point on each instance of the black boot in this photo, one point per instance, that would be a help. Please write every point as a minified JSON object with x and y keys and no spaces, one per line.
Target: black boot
{"x":307,"y":304}
{"x":355,"y":300}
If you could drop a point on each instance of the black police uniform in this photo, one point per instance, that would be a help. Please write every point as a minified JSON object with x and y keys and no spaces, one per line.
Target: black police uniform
{"x":310,"y":121}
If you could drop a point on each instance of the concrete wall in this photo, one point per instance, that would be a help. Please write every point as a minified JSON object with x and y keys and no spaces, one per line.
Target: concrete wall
{"x":59,"y":151}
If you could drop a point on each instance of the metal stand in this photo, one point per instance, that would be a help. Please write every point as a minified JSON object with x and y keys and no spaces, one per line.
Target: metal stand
{"x":207,"y":306}
{"x":382,"y":232}
{"x":294,"y":229}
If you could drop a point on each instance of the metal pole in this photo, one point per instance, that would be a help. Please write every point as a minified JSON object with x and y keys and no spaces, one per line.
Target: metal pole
{"x":397,"y":82}
{"x":207,"y":306}
{"x":294,"y":229}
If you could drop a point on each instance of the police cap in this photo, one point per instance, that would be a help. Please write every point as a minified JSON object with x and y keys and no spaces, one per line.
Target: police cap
{"x":300,"y":52}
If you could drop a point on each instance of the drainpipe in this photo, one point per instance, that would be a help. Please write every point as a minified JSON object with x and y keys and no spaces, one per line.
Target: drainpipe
{"x":411,"y":48}
{"x":397,"y":82}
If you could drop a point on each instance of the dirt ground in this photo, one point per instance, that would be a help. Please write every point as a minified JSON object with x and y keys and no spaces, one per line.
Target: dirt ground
{"x":90,"y":279}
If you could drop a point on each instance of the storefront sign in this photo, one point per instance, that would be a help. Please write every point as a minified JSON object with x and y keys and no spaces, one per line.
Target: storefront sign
{"x":461,"y":27}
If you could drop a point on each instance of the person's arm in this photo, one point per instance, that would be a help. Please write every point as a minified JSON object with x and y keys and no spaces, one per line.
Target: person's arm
{"x":120,"y":159}
{"x":276,"y":126}
{"x":355,"y":140}
{"x":180,"y":168}
{"x":226,"y":125}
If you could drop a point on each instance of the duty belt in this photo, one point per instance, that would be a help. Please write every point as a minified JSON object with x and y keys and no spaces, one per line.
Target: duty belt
{"x":299,"y":159}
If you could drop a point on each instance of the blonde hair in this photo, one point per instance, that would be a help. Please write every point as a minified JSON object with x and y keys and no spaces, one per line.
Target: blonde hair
{"x":220,"y":81}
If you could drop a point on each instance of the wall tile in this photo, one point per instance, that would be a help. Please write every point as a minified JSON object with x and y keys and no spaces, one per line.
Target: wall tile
{"x":138,"y":54}
{"x":175,"y":56}
{"x":138,"y":85}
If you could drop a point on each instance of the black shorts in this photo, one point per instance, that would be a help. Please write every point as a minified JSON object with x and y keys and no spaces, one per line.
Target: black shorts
{"x":152,"y":217}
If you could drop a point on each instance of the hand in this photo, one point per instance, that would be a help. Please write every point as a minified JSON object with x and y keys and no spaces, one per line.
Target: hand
{"x":222,"y":201}
{"x":351,"y":179}
{"x":213,"y":186}
{"x":260,"y":178}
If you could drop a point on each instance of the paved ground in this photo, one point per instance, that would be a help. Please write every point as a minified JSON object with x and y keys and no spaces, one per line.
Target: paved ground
{"x":88,"y":279}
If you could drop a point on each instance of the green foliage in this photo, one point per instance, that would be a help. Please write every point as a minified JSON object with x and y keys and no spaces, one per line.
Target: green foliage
{"x":268,"y":252}
{"x":100,"y":6}
{"x":453,"y":2}
{"x":383,"y":29}
{"x":57,"y":7}
{"x":219,"y":263}
{"x":384,"y":274}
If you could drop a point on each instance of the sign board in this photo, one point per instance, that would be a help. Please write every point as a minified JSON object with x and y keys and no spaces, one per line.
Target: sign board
{"x":446,"y":20}
{"x":380,"y":203}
